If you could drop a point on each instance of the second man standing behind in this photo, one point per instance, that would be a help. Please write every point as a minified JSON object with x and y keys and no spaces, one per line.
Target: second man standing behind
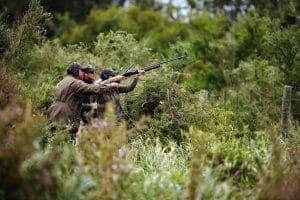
{"x":109,"y":76}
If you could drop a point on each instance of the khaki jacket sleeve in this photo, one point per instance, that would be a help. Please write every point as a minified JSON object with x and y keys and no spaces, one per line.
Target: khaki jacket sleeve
{"x":81,"y":88}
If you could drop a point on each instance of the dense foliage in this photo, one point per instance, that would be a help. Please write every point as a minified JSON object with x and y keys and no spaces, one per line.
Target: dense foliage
{"x":173,"y":142}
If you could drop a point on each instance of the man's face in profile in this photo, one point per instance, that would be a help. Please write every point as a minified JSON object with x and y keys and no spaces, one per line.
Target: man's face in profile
{"x":89,"y":77}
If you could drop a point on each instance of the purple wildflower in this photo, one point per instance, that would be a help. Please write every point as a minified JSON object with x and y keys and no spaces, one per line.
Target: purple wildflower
{"x":104,"y":124}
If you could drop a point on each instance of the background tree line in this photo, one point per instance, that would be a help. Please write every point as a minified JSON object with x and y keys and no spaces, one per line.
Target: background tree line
{"x":206,"y":26}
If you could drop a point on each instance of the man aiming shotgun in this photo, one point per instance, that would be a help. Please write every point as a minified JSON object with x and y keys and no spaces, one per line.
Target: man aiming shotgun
{"x":108,"y":76}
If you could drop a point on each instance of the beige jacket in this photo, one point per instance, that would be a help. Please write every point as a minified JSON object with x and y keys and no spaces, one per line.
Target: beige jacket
{"x":68,"y":100}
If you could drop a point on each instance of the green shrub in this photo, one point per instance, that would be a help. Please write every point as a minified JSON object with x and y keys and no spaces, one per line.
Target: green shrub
{"x":228,"y":163}
{"x":117,"y":50}
{"x":255,"y":94}
{"x":57,"y":172}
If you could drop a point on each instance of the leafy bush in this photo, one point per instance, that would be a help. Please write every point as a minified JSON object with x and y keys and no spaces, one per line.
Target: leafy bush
{"x":57,"y":172}
{"x":26,"y":32}
{"x":18,"y":128}
{"x":229,"y":162}
{"x":119,"y":49}
{"x":255,"y":95}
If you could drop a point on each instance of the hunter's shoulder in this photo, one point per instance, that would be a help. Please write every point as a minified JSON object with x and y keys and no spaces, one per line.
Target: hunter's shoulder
{"x":68,"y":78}
{"x":71,"y":81}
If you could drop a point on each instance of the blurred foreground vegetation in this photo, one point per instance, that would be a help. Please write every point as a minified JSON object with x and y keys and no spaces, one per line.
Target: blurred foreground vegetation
{"x":172,"y":143}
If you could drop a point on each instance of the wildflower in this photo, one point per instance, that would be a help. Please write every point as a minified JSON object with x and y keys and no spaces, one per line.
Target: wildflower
{"x":104,"y":124}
